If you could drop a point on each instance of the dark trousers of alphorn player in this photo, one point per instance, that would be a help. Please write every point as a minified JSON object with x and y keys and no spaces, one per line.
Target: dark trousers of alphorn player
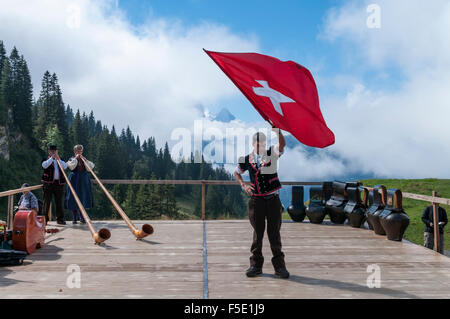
{"x":56,"y":190}
{"x":260,"y":209}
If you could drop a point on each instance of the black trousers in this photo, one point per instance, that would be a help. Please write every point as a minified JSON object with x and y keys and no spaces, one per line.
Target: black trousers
{"x":55,"y":190}
{"x":260,"y":209}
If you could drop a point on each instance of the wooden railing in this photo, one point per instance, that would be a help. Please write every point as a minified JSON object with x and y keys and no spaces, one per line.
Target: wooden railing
{"x":434,"y":200}
{"x":10,"y":194}
{"x":203,"y":183}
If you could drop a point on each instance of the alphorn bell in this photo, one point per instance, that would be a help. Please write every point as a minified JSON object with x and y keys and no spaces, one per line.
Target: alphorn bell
{"x":100,"y":236}
{"x":146,"y":228}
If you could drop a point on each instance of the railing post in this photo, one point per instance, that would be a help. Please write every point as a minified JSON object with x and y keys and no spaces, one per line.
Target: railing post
{"x":203,"y":201}
{"x":9,"y":218}
{"x":436,"y":224}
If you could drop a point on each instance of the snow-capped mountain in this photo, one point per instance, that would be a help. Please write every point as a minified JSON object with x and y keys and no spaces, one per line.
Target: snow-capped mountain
{"x":223,"y":116}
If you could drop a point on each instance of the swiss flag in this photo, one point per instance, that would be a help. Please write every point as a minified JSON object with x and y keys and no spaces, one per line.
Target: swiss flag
{"x":284,"y":93}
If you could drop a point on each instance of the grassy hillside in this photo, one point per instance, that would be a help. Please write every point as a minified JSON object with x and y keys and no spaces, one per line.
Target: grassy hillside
{"x":186,"y":207}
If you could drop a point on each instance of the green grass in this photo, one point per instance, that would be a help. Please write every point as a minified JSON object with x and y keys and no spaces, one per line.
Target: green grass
{"x":186,"y":206}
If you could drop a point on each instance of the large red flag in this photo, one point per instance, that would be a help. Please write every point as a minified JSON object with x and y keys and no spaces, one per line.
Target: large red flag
{"x":282,"y":92}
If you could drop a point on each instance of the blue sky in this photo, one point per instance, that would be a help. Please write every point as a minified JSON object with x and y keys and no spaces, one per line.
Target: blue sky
{"x":283,"y":24}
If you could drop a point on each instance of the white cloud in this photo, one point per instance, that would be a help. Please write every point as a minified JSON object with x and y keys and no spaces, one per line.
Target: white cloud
{"x":150,"y":77}
{"x":401,"y":132}
{"x":297,"y":165}
{"x":413,"y":33}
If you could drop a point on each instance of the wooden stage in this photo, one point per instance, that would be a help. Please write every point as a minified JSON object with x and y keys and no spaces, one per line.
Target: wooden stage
{"x":325,"y":261}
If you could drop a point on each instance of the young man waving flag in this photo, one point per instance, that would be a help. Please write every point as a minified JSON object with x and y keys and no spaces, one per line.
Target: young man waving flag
{"x":285,"y":95}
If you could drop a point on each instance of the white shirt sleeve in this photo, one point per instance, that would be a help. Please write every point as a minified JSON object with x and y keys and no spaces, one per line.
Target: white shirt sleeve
{"x":72,"y":163}
{"x":91,"y":165}
{"x":47,"y":163}
{"x":63,"y":164}
{"x":239,"y":170}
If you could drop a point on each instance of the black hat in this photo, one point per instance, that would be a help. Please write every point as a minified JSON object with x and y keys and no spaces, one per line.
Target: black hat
{"x":52,"y":148}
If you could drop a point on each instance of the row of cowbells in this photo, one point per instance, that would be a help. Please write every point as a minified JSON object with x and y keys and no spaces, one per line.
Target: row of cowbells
{"x":342,"y":202}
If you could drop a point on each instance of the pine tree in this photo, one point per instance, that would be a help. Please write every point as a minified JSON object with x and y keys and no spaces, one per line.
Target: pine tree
{"x":130,"y":205}
{"x":5,"y":88}
{"x":24,"y":114}
{"x":138,"y":143}
{"x":69,"y":116}
{"x":20,"y":95}
{"x":144,"y":202}
{"x":168,"y":163}
{"x":2,"y":57}
{"x":3,"y":61}
{"x":212,"y":203}
{"x":156,"y":199}
{"x":91,"y":124}
{"x":44,"y":109}
{"x":98,"y":127}
{"x":170,"y":204}
{"x":53,"y":136}
{"x":60,"y":114}
{"x":78,"y":134}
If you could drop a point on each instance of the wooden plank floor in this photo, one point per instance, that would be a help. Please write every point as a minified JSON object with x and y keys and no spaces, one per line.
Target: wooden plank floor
{"x":325,"y":261}
{"x":167,"y":264}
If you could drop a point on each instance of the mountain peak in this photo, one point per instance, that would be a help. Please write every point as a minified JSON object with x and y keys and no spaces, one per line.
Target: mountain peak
{"x":224,"y":116}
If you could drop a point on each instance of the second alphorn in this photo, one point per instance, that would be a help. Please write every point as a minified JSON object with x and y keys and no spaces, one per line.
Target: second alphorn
{"x":146,"y":228}
{"x":100,"y":236}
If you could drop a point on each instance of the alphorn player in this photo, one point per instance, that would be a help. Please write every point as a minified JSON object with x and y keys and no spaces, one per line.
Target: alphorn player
{"x":54,"y":182}
{"x":264,"y":202}
{"x":428,"y":220}
{"x":81,"y":182}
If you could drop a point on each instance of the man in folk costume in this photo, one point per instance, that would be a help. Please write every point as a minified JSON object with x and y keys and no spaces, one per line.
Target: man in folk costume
{"x":54,"y":182}
{"x":264,"y":202}
{"x":81,"y":182}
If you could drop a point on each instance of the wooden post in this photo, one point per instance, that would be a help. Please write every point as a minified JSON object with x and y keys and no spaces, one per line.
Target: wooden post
{"x":10,"y":217}
{"x":436,"y":223}
{"x":50,"y":211}
{"x":203,"y":201}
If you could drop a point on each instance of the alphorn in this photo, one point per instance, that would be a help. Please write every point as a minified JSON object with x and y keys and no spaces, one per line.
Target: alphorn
{"x":100,"y":236}
{"x":146,"y":228}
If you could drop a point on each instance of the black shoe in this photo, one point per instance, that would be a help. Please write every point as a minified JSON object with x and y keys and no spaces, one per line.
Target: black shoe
{"x":82,"y":221}
{"x":282,"y":273}
{"x":61,"y":222}
{"x":253,"y":271}
{"x":74,"y":222}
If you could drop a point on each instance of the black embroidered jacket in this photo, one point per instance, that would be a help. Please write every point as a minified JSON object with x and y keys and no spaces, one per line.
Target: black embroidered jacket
{"x":263,"y":176}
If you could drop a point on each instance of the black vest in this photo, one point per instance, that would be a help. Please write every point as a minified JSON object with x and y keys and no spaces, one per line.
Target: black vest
{"x":49,"y":172}
{"x":263,"y":179}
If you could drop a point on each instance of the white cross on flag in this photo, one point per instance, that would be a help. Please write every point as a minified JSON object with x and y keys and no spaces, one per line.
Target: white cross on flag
{"x":284,"y":93}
